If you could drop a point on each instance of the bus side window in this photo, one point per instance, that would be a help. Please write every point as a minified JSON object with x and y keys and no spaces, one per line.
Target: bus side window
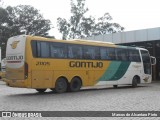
{"x":58,"y":50}
{"x":90,"y":52}
{"x":122,"y":54}
{"x":103,"y":53}
{"x":86,"y":52}
{"x":134,"y":56}
{"x":45,"y":50}
{"x":38,"y":49}
{"x":75,"y":51}
{"x":34,"y":48}
{"x":111,"y":54}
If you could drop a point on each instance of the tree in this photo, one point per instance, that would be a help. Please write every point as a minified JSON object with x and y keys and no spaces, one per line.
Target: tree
{"x":104,"y":26}
{"x":26,"y":17}
{"x":3,"y":30}
{"x":13,"y":20}
{"x":64,"y":27}
{"x":79,"y":26}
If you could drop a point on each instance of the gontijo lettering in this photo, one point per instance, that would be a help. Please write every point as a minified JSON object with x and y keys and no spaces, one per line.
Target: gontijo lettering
{"x":79,"y":64}
{"x":20,"y":57}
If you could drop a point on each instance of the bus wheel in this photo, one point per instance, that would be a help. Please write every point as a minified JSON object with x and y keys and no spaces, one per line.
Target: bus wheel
{"x":53,"y":89}
{"x":134,"y":82}
{"x":41,"y":90}
{"x":61,"y":85}
{"x":115,"y":86}
{"x":75,"y":84}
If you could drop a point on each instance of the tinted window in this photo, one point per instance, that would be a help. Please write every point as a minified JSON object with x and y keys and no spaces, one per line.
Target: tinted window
{"x":145,"y":56}
{"x":146,"y":62}
{"x":134,"y":56}
{"x":34,"y":48}
{"x":122,"y":54}
{"x":75,"y":51}
{"x":44,"y":49}
{"x":107,"y":53}
{"x":90,"y":52}
{"x":58,"y":50}
{"x":38,"y":49}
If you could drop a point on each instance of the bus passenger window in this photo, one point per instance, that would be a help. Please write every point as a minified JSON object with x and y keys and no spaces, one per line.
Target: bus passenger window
{"x":75,"y":51}
{"x":111,"y":53}
{"x":34,"y":48}
{"x":134,"y":56}
{"x":91,"y":52}
{"x":107,"y":53}
{"x":44,"y":50}
{"x":58,"y":50}
{"x":104,"y":54}
{"x":122,"y":54}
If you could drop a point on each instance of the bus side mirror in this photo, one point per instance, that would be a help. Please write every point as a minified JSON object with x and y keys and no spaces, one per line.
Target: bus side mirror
{"x":153,"y":60}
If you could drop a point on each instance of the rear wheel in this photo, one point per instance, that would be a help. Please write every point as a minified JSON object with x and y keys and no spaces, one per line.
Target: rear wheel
{"x":75,"y":84}
{"x":134,"y":82}
{"x":61,"y":85}
{"x":41,"y":90}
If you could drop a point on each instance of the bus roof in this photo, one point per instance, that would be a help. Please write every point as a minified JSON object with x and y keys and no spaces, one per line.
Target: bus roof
{"x":74,"y":41}
{"x":80,"y":41}
{"x":88,"y":41}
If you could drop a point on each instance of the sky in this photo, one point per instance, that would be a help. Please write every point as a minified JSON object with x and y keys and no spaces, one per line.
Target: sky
{"x":131,"y":14}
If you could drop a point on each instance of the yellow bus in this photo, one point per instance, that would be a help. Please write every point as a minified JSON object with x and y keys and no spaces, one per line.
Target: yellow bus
{"x":67,"y":65}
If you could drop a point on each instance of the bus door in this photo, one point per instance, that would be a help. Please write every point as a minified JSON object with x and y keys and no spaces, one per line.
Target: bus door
{"x":146,"y":62}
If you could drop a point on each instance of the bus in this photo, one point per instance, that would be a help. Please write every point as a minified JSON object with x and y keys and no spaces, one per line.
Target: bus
{"x":68,"y":65}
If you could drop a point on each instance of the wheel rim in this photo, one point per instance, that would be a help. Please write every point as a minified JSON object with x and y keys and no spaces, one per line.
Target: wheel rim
{"x":134,"y":82}
{"x":75,"y":85}
{"x":61,"y":85}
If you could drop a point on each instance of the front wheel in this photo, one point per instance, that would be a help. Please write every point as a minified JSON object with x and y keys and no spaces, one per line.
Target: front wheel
{"x":115,"y":86}
{"x":134,"y":82}
{"x":41,"y":90}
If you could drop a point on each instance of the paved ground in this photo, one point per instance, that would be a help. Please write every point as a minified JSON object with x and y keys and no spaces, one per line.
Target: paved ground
{"x":143,"y":98}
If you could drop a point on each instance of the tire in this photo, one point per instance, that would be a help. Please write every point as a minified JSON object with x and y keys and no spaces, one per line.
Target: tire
{"x":115,"y":86}
{"x":61,"y":85}
{"x":53,"y":89}
{"x":134,"y":82}
{"x":41,"y":90}
{"x":75,"y":84}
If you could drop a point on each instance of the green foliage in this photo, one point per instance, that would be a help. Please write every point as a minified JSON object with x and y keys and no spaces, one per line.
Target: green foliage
{"x":104,"y":26}
{"x":22,"y":17}
{"x":63,"y":27}
{"x":79,"y":26}
{"x":26,"y":17}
